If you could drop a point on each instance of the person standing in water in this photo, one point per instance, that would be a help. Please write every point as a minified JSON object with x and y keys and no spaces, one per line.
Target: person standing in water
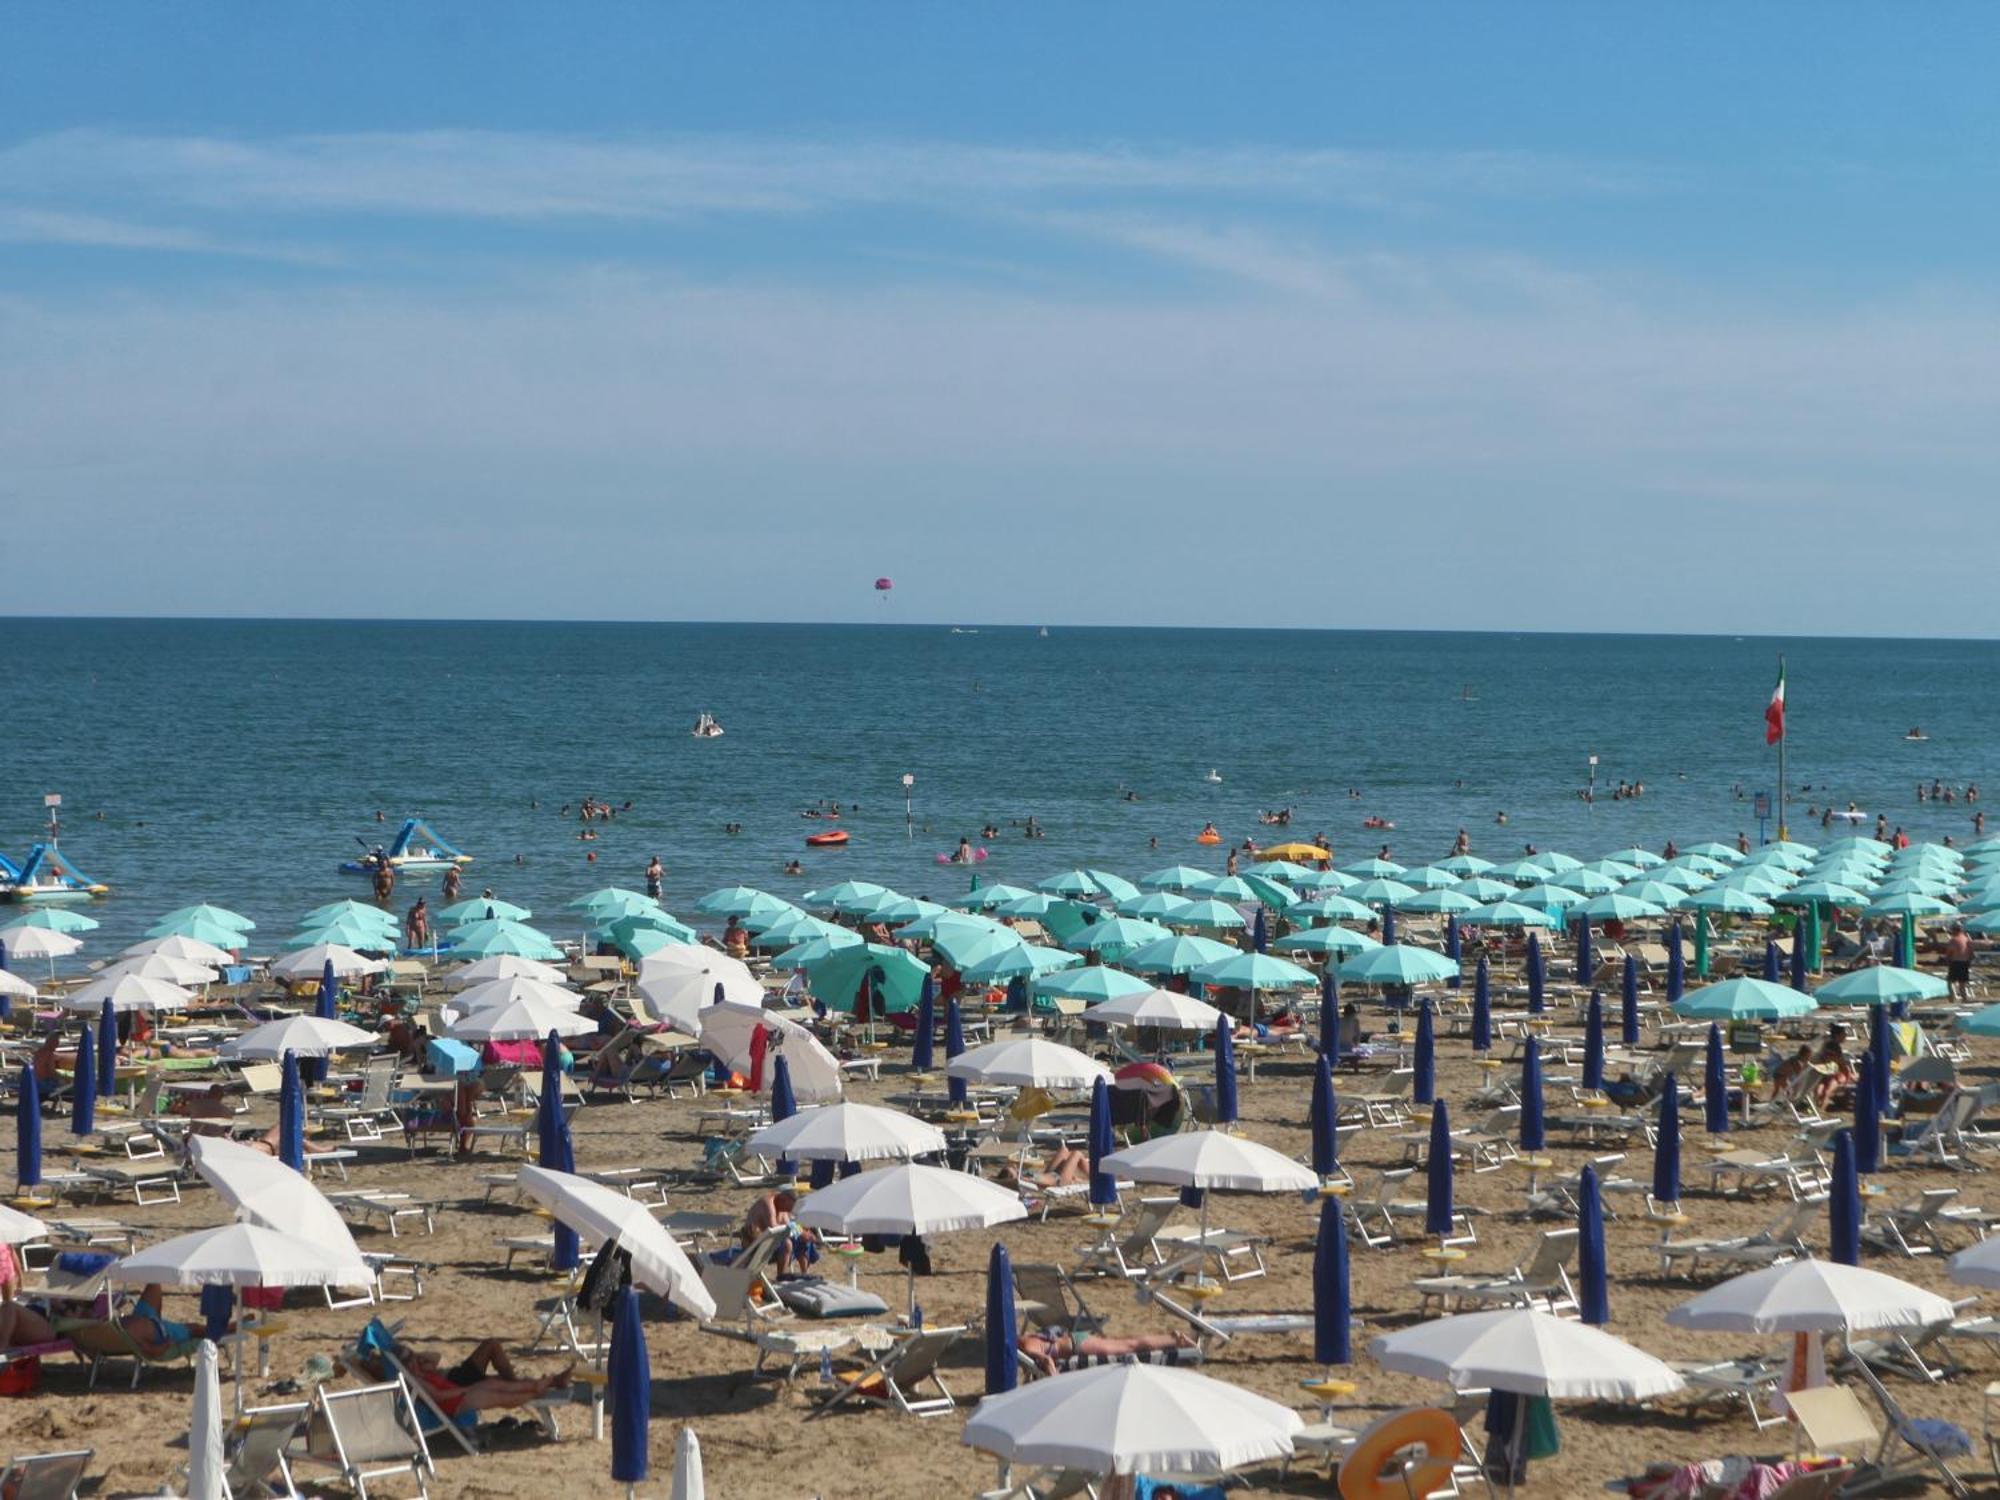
{"x":451,"y":883}
{"x":655,"y":878}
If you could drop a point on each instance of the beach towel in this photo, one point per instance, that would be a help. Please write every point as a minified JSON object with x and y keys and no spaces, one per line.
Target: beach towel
{"x":83,"y":1262}
{"x":1175,"y":1489}
{"x":1188,"y":1356}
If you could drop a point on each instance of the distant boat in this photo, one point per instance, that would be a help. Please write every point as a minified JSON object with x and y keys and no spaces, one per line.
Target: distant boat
{"x":46,"y":876}
{"x":416,"y":846}
{"x":1916,"y":736}
{"x":961,"y":630}
{"x":705,"y":728}
{"x":1213,"y":776}
{"x":1043,"y":632}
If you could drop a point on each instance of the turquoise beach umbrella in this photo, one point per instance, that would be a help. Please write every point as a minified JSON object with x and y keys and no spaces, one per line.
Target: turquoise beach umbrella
{"x":1743,"y":1000}
{"x":1092,"y":983}
{"x":1397,"y":964}
{"x":764,"y":921}
{"x":1070,"y":883}
{"x":1483,"y":888}
{"x":1549,"y":897}
{"x":1442,"y":901}
{"x":1257,"y":971}
{"x":621,"y":932}
{"x":1820,"y":893}
{"x":1507,"y":914}
{"x":1463,"y":865}
{"x":479,"y":908}
{"x":1028,"y":904}
{"x":741,"y":901}
{"x":202,"y":930}
{"x":1175,"y":878}
{"x":204,"y":912}
{"x":1177,"y":954}
{"x":1155,"y":906}
{"x":908,"y":909}
{"x":1372,"y":868}
{"x":1720,"y":852}
{"x":1117,"y":932}
{"x":363,"y":937}
{"x":1655,"y":893}
{"x":1520,"y":872}
{"x":1730,"y":901}
{"x":1678,"y":875}
{"x":1225,"y":888}
{"x":1762,"y":884}
{"x":1556,"y":862}
{"x":1382,"y":891}
{"x":897,"y":974}
{"x":1275,"y":894}
{"x":1588,"y":882}
{"x":1881,"y":984}
{"x":1922,"y":885}
{"x":1335,"y":907}
{"x":1117,"y":887}
{"x":1285,"y":870}
{"x":491,"y":939}
{"x":986,"y":897}
{"x":798,"y":927}
{"x":1908,"y":904}
{"x":1982,"y":1022}
{"x":1701,"y":865}
{"x":1616,"y":871}
{"x":1325,"y":940}
{"x":1616,"y":906}
{"x":817,"y":950}
{"x":1644,"y":859}
{"x":1430,"y":878}
{"x":56,"y":919}
{"x":1216,"y":915}
{"x":1027,"y":959}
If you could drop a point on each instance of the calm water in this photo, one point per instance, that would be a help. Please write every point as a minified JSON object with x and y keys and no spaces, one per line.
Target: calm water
{"x":240,"y":761}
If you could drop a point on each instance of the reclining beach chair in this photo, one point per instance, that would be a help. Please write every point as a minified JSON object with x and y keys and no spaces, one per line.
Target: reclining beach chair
{"x":102,"y":1339}
{"x":365,"y":1436}
{"x":1754,"y":1380}
{"x":1756,"y":1170}
{"x":1832,"y":1417}
{"x":895,"y":1379}
{"x":368,"y":1116}
{"x":1375,"y":1219}
{"x":146,"y":1169}
{"x":1388,"y":1105}
{"x":389,"y":1209}
{"x":45,"y":1476}
{"x":1909,"y":1229}
{"x":1942,"y":1137}
{"x":742,"y":1288}
{"x":1540,"y":1278}
{"x":1210,"y":1326}
{"x":1049,"y":1302}
{"x":258,"y":1468}
{"x":1782,"y":1239}
{"x":1129,"y":1250}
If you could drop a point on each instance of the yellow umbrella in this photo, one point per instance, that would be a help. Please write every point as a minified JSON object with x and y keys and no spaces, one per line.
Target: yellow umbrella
{"x":1296,"y":853}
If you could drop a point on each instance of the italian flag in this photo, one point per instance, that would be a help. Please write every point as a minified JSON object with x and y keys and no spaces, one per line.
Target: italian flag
{"x":1774,"y":711}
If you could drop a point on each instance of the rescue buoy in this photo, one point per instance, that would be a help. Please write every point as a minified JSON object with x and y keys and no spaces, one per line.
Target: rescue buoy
{"x":1428,"y":1428}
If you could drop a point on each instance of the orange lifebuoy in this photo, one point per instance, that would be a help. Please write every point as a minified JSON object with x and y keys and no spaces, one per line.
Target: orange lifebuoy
{"x":1208,"y":836}
{"x":1430,"y":1428}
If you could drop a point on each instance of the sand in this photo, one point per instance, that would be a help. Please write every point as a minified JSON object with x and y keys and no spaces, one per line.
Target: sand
{"x":753,"y":1432}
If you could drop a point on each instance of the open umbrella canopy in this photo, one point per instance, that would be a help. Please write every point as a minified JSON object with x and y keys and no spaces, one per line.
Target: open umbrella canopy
{"x":264,"y":1191}
{"x":896,"y":974}
{"x":1441,"y":900}
{"x":1335,"y":906}
{"x":679,"y":981}
{"x":503,"y":966}
{"x":986,"y":897}
{"x":1030,"y":905}
{"x":1024,"y":959}
{"x":599,"y":1215}
{"x":17,"y":1228}
{"x":243,"y":1255}
{"x":1661,"y":893}
{"x":1527,"y":1352}
{"x":1131,"y":1419}
{"x":910,"y":1199}
{"x":847,"y":1132}
{"x":1257,"y":971}
{"x":14,"y":987}
{"x":1224,"y":888}
{"x":38,"y":942}
{"x":1743,"y":999}
{"x":741,"y":901}
{"x":1177,"y":954}
{"x":57,"y":919}
{"x":1372,"y":868}
{"x":1212,"y":1159}
{"x":1507,"y":914}
{"x":1881,"y":984}
{"x":787,"y":929}
{"x":506,"y":991}
{"x":1080,"y":883}
{"x":1729,"y":901}
{"x":1430,"y":877}
{"x":817,"y":949}
{"x":1820,"y":893}
{"x":1216,"y":915}
{"x":1092,"y":984}
{"x":187,"y":949}
{"x":1117,"y":887}
{"x":127,"y":992}
{"x":1978,"y":1265}
{"x":960,"y":938}
{"x":491,"y":937}
{"x":182,"y":971}
{"x":349,"y":932}
{"x":1027,"y":1062}
{"x":1381,"y":891}
{"x":203,"y":929}
{"x":1811,"y":1296}
{"x":1398,"y":964}
{"x":308,"y":1036}
{"x":1908,"y":904}
{"x":1124,"y":933}
{"x":519,"y":1021}
{"x":729,"y":1031}
{"x":1616,"y":906}
{"x":1155,"y":906}
{"x":1644,"y":859}
{"x":482,"y":908}
{"x":1161,"y":1008}
{"x":1325,"y":940}
{"x":1484,"y":888}
{"x":1175,"y":878}
{"x":1295,"y":851}
{"x":612,"y":901}
{"x":201,"y":912}
{"x":1549,"y":897}
{"x":309,"y":963}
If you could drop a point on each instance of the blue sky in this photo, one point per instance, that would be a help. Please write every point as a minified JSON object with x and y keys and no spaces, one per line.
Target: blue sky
{"x":1521,"y":316}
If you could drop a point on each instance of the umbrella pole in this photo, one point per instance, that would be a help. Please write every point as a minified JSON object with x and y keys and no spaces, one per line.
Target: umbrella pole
{"x":910,"y":1281}
{"x":236,"y":1307}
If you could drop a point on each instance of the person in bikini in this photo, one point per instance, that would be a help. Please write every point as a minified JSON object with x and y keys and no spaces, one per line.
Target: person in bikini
{"x":483,"y":1380}
{"x":1046,"y":1350}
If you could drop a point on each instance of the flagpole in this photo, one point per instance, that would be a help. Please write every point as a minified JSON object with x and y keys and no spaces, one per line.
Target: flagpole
{"x":1783,"y":734}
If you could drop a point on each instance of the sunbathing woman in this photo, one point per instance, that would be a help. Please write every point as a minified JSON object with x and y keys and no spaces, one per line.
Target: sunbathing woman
{"x":145,"y":1328}
{"x":1063,"y":1168}
{"x":483,"y":1380}
{"x":1046,"y":1350}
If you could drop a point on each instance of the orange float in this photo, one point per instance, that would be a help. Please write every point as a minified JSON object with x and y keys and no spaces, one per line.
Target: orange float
{"x":831,"y":840}
{"x":1428,"y":1428}
{"x":1208,"y":836}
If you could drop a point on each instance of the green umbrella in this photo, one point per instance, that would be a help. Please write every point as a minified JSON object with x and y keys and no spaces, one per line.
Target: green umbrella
{"x":1155,"y":906}
{"x":1743,"y":1000}
{"x":1701,"y":864}
{"x":741,"y":901}
{"x":952,"y":927}
{"x":1177,"y":955}
{"x":1616,"y":871}
{"x":1216,"y":915}
{"x":963,"y":949}
{"x":1792,"y":847}
{"x":1433,"y":901}
{"x":1024,"y":959}
{"x":1325,"y":940}
{"x":1257,"y":971}
{"x":870,"y":906}
{"x":481,"y":907}
{"x":490,"y":939}
{"x":1175,"y":878}
{"x":205,"y":913}
{"x":1760,"y":883}
{"x":1678,"y":875}
{"x":1774,"y":857}
{"x":1556,"y":862}
{"x":764,"y":921}
{"x":1225,"y":888}
{"x":1285,"y":870}
{"x":1881,"y":984}
{"x":1274,"y":894}
{"x":55,"y":919}
{"x":610,"y":903}
{"x":897,"y":975}
{"x":1730,"y":901}
{"x":1397,"y":964}
{"x":1520,"y":872}
{"x":1616,"y":906}
{"x":1321,"y":880}
{"x":1091,"y":983}
{"x":1507,"y":914}
{"x":645,"y":921}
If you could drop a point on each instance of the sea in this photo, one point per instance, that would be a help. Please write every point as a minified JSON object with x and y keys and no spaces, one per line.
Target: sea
{"x":242,"y":761}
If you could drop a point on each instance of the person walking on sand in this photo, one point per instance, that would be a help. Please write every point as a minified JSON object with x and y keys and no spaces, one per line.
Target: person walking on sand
{"x":1958,"y":961}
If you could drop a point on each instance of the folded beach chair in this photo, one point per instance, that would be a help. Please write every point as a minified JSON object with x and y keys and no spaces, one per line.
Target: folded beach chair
{"x":365,"y":1436}
{"x":896,"y":1378}
{"x":1782,"y":1239}
{"x":45,"y":1476}
{"x":1049,"y":1302}
{"x":1832,"y":1417}
{"x":1540,"y":1279}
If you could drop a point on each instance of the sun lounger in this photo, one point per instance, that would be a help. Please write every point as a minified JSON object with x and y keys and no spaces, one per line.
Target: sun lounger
{"x":1755,"y":1170}
{"x":1832,"y":1417}
{"x":1129,"y":1249}
{"x":1909,"y":1229}
{"x":1540,"y":1278}
{"x":389,"y":1209}
{"x":1048,"y":1301}
{"x":45,"y":1476}
{"x":101,"y":1339}
{"x":1375,"y":1219}
{"x":365,"y":1436}
{"x":258,"y":1466}
{"x":1782,"y":1239}
{"x":1220,"y":1327}
{"x":895,"y":1379}
{"x":742,"y":1287}
{"x":1753,"y":1380}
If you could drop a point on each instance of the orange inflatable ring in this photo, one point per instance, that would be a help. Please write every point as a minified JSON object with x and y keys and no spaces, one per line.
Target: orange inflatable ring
{"x":1208,"y":838}
{"x":1429,"y":1428}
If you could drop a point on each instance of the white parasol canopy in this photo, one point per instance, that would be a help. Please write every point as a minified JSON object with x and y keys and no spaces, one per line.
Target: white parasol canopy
{"x":847,"y":1132}
{"x":127,"y":992}
{"x":599,"y":1215}
{"x":38,"y":942}
{"x":1811,"y":1296}
{"x":181,"y":971}
{"x":504,"y":966}
{"x":1161,"y":1008}
{"x":519,"y":1020}
{"x":1527,"y":1352}
{"x":910,"y":1199}
{"x":1128,"y":1419}
{"x":495,"y":992}
{"x":728,"y":1031}
{"x":176,"y":945}
{"x":264,"y":1191}
{"x":17,"y":1228}
{"x":308,"y":1036}
{"x":1212,"y":1159}
{"x":242,"y":1255}
{"x":1978,"y":1265}
{"x":14,"y":987}
{"x":679,"y":982}
{"x":1027,"y":1062}
{"x":311,"y":962}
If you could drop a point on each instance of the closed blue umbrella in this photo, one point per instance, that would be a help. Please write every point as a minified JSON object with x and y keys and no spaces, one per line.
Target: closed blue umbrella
{"x":1260,"y":934}
{"x":1583,"y":957}
{"x":326,"y":1006}
{"x":553,"y":1148}
{"x":1329,"y":1014}
{"x":784,"y":1104}
{"x":1593,"y":1044}
{"x":1667,"y":1149}
{"x":1773,"y":966}
{"x":1423,"y":1087}
{"x":1017,"y":995}
{"x":1715,"y":1085}
{"x":1332,"y":1313}
{"x":1677,"y":961}
{"x":1534,"y":1133}
{"x":1628,"y":1003}
{"x":83,"y":1096}
{"x":1878,"y":1043}
{"x":291,"y":1116}
{"x":1867,"y":1124}
{"x":28,"y":1131}
{"x":1482,"y":1007}
{"x":1454,"y":946}
{"x":630,"y":1375}
{"x":954,"y":1043}
{"x":1437,"y":1208}
{"x":1537,"y":975}
{"x":1798,"y":963}
{"x":1225,"y":1072}
{"x":1388,"y":926}
{"x":1324,"y":1112}
{"x":1594,"y":1291}
{"x":1003,"y":1370}
{"x":923,"y":1047}
{"x":1843,"y":1205}
{"x":107,"y":1051}
{"x":1103,"y":1185}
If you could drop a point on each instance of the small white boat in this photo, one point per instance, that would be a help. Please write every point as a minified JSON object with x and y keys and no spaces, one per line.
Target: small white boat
{"x":705,"y":728}
{"x":1213,"y":776}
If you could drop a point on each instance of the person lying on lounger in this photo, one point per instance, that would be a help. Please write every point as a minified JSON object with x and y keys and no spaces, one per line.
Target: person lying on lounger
{"x":1063,"y":1168}
{"x":145,"y":1329}
{"x":483,"y":1380}
{"x":1046,"y":1350}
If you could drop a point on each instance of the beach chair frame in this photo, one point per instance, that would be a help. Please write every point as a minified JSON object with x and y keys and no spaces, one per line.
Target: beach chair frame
{"x":902,"y":1371}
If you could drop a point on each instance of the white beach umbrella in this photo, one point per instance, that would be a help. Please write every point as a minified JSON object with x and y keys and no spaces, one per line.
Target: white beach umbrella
{"x":1527,"y":1352}
{"x":308,"y":1036}
{"x":194,"y":950}
{"x":599,"y":1214}
{"x":38,"y":942}
{"x":688,"y":1481}
{"x":1129,"y":1419}
{"x":310,"y":962}
{"x":506,"y":991}
{"x":1978,"y":1265}
{"x":14,"y":987}
{"x":729,"y":1030}
{"x":264,"y":1191}
{"x":242,"y":1255}
{"x":182,"y":971}
{"x":205,"y":1479}
{"x":519,"y":1020}
{"x":909,"y":1199}
{"x":1027,"y":1062}
{"x":1811,"y":1296}
{"x":847,"y":1132}
{"x":1161,"y":1008}
{"x":503,"y":966}
{"x":17,"y":1228}
{"x":680,"y":981}
{"x":1212,"y":1159}
{"x":127,"y":992}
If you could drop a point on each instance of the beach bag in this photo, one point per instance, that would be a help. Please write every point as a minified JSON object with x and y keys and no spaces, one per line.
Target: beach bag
{"x":21,"y":1377}
{"x":609,"y":1274}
